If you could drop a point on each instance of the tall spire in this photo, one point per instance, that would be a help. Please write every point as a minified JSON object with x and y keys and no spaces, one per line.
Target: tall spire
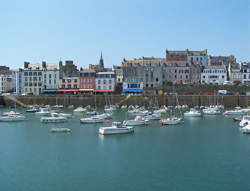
{"x":101,"y":62}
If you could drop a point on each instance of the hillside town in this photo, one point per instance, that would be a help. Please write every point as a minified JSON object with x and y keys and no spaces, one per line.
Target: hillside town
{"x":144,"y":74}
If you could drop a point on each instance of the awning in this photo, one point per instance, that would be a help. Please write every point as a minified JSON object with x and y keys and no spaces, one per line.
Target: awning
{"x":128,"y":90}
{"x":49,"y":90}
{"x":86,"y":90}
{"x":104,"y":90}
{"x":67,"y":90}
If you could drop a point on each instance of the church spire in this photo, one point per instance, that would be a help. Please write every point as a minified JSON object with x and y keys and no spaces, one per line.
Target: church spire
{"x":101,"y":62}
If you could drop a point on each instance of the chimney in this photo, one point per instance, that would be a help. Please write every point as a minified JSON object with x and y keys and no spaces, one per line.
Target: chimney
{"x":26,"y":64}
{"x":43,"y":64}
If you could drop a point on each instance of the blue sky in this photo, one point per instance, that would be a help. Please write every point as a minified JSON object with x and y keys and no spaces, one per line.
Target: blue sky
{"x":36,"y":30}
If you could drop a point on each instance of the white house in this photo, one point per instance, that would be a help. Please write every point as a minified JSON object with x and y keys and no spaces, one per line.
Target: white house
{"x":215,"y":75}
{"x":7,"y":82}
{"x":38,"y":78}
{"x":105,"y":81}
{"x":245,"y":70}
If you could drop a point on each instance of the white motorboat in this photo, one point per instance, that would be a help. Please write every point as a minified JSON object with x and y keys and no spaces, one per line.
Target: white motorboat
{"x":234,"y":112}
{"x":160,"y":111}
{"x":171,"y":121}
{"x":109,"y":109}
{"x":116,"y":128}
{"x":124,"y":107}
{"x":71,"y":107}
{"x":138,"y":112}
{"x":105,"y":116}
{"x":44,"y":111}
{"x":54,"y":118}
{"x":60,"y":130}
{"x":11,"y":113}
{"x":245,"y":120}
{"x":246,"y":129}
{"x":93,"y":119}
{"x":211,"y":111}
{"x":12,"y":117}
{"x":154,"y":116}
{"x":67,"y":115}
{"x":32,"y":110}
{"x":80,"y":110}
{"x":137,"y":121}
{"x":192,"y":113}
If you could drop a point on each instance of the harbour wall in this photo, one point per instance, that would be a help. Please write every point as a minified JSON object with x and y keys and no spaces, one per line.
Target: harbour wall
{"x":101,"y":100}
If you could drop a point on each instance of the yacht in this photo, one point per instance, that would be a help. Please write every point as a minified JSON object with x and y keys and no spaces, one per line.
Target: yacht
{"x":246,"y":129}
{"x":32,"y":110}
{"x":94,"y":119}
{"x":234,"y":112}
{"x":138,"y":112}
{"x":80,"y":110}
{"x":171,"y":121}
{"x":105,"y":116}
{"x":116,"y":128}
{"x":54,"y":118}
{"x":211,"y":111}
{"x":160,"y":111}
{"x":192,"y":113}
{"x":154,"y":116}
{"x":43,"y":111}
{"x":11,"y":113}
{"x":124,"y":107}
{"x":137,"y":121}
{"x":11,"y":117}
{"x":109,"y":109}
{"x":245,"y":120}
{"x":67,"y":115}
{"x":60,"y":130}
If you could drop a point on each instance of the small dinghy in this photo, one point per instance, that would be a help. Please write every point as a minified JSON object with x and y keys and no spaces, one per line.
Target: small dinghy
{"x":60,"y":130}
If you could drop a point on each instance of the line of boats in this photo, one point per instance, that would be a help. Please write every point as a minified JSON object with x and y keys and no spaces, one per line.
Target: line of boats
{"x":142,"y":116}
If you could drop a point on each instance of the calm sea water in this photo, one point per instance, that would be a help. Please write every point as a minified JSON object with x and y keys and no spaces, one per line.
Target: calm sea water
{"x":206,"y":154}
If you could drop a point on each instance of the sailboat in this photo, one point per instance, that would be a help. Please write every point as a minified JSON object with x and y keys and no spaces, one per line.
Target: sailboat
{"x":173,"y":120}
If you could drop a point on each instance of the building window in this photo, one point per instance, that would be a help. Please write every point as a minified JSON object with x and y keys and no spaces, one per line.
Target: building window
{"x":222,"y":77}
{"x":104,"y":81}
{"x":63,"y":80}
{"x":44,"y":75}
{"x":69,"y":85}
{"x":99,"y":82}
{"x":99,"y":87}
{"x":75,"y":86}
{"x":157,"y":79}
{"x":50,"y":75}
{"x":75,"y":80}
{"x":63,"y":86}
{"x":110,"y":81}
{"x":110,"y":87}
{"x":69,"y":80}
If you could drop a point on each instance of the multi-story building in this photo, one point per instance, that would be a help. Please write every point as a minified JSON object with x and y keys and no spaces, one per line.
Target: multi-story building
{"x":105,"y":82}
{"x":146,"y":70}
{"x":119,"y":74}
{"x":214,"y":75}
{"x":8,"y":83}
{"x":181,"y":72}
{"x":38,"y":78}
{"x":235,"y":75}
{"x":87,"y":80}
{"x":245,"y":70}
{"x":132,"y":87}
{"x":194,"y":57}
{"x":69,"y":69}
{"x":69,"y":83}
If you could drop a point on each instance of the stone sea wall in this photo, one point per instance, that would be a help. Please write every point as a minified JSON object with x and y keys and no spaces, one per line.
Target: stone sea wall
{"x":101,"y":100}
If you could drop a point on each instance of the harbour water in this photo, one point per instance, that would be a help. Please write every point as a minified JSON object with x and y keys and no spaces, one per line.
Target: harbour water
{"x":208,"y":154}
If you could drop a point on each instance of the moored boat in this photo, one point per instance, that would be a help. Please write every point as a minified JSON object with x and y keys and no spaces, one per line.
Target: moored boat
{"x":54,"y":118}
{"x":246,"y":129}
{"x":93,"y":119}
{"x":60,"y":130}
{"x":171,"y":121}
{"x":135,"y":122}
{"x":192,"y":113}
{"x":11,"y":118}
{"x":116,"y":128}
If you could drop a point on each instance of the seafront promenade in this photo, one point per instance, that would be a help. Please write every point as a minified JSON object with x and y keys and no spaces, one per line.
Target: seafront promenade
{"x":143,"y":100}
